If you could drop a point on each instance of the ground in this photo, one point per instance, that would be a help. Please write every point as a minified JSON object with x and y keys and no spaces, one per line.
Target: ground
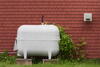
{"x":67,"y":64}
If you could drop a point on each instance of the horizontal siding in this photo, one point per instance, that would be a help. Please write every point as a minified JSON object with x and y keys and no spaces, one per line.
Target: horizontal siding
{"x":68,"y":13}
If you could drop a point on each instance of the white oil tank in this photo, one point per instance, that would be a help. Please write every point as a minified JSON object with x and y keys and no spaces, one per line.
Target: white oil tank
{"x":37,"y":40}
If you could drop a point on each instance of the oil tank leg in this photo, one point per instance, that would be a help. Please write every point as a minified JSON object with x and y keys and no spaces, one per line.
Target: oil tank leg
{"x":49,"y":55}
{"x":18,"y":54}
{"x":25,"y":54}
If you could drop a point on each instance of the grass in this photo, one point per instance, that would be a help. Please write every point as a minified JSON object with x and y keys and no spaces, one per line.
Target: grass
{"x":52,"y":65}
{"x":65,"y":64}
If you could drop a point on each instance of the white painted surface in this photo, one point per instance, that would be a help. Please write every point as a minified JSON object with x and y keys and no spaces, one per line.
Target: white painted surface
{"x":87,"y":16}
{"x":37,"y":40}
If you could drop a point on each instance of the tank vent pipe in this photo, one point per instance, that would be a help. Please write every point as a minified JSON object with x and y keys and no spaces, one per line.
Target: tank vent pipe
{"x":42,"y":20}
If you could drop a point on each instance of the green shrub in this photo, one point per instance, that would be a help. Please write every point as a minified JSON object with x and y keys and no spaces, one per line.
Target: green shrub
{"x":4,"y":57}
{"x":69,"y":50}
{"x":65,"y":45}
{"x":79,"y":50}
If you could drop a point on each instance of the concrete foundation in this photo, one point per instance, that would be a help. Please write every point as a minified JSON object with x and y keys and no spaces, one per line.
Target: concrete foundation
{"x":52,"y":61}
{"x":24,"y":61}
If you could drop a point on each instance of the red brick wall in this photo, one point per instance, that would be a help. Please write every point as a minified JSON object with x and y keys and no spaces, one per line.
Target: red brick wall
{"x":68,"y":13}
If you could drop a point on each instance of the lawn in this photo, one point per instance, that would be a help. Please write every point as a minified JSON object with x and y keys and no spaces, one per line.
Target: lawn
{"x":67,"y":64}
